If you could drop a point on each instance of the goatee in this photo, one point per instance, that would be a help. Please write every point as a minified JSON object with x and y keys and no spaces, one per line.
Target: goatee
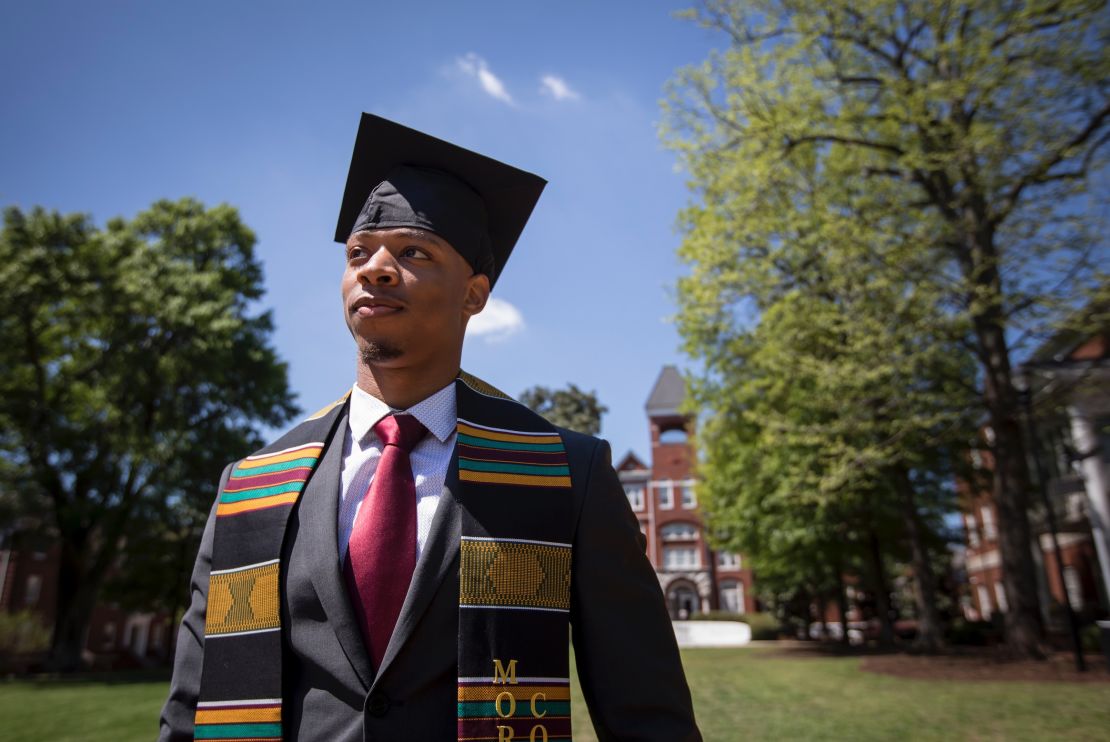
{"x":375,"y":352}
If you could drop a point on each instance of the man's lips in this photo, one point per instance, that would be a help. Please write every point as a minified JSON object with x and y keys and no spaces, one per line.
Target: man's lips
{"x":376,"y":306}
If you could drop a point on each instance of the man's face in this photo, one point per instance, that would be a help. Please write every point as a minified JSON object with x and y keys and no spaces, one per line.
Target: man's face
{"x":407,"y":296}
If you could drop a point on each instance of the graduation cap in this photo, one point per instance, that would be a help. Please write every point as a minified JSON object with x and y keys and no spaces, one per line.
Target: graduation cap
{"x":401,"y":177}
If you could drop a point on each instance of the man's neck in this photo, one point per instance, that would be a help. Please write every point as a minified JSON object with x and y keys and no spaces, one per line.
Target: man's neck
{"x":401,"y":388}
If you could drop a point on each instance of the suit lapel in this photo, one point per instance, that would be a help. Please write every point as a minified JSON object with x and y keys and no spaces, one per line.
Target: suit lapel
{"x":319,"y":510}
{"x":440,"y":554}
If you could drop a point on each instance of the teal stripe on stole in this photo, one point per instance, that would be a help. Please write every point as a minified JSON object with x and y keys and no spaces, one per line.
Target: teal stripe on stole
{"x":509,"y":445}
{"x":277,"y":489}
{"x":499,"y":466}
{"x":271,"y":468}
{"x":482,"y":709}
{"x":237,"y":731}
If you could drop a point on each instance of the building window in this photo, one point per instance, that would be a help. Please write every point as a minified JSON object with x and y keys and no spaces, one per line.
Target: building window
{"x":32,"y":591}
{"x":689,"y":501}
{"x":156,"y":636}
{"x":1000,"y":597}
{"x":984,"y":602}
{"x":972,"y":532}
{"x":635,"y":494}
{"x":109,"y":635}
{"x":679,"y":532}
{"x":665,"y":493}
{"x":680,"y":557}
{"x":728,"y":560}
{"x":990,"y":533}
{"x":1074,"y":589}
{"x":673,"y":435}
{"x":732,"y":596}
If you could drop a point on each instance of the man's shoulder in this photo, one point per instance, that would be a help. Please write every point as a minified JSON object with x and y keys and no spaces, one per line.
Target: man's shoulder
{"x":317,"y":428}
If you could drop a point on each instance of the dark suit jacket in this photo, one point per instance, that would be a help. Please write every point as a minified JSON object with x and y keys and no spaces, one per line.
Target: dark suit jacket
{"x":625,"y":649}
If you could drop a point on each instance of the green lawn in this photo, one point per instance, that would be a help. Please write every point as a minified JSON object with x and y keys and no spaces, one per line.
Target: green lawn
{"x":739,"y":694}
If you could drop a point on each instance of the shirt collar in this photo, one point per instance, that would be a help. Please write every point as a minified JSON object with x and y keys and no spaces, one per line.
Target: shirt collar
{"x":436,"y":413}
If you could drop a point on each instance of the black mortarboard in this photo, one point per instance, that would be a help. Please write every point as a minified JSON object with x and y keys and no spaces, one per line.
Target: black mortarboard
{"x":401,"y":177}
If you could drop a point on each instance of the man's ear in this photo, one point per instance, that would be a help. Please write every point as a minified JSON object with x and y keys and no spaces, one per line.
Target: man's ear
{"x":477,"y":294}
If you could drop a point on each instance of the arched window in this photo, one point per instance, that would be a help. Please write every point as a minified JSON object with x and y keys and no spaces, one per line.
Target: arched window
{"x":673,"y":435}
{"x":679,"y":532}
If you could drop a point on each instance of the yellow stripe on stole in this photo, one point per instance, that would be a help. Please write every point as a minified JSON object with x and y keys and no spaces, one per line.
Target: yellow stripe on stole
{"x":232,"y":508}
{"x":520,"y":692}
{"x":277,"y":458}
{"x":237,"y":716}
{"x":494,"y":477}
{"x":508,"y":437}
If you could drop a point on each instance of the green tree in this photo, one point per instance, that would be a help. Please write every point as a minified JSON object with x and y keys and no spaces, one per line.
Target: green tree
{"x":983,"y":122}
{"x":570,"y":408}
{"x":135,"y":367}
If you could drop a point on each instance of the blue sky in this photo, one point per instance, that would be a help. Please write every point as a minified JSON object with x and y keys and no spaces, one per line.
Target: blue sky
{"x":109,"y":106}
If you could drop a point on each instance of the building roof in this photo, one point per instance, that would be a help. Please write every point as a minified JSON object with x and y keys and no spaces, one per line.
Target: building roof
{"x":667,"y":394}
{"x":631,"y":462}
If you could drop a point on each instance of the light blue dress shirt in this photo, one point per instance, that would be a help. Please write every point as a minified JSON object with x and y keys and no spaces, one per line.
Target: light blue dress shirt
{"x":362,"y":449}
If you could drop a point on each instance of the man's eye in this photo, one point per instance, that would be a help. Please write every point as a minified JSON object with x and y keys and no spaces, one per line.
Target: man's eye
{"x":413,"y":252}
{"x":355,"y":253}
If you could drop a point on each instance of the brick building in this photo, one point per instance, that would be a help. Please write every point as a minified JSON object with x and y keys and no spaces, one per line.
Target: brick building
{"x":117,"y":638}
{"x":1069,"y":379}
{"x":694,"y":578}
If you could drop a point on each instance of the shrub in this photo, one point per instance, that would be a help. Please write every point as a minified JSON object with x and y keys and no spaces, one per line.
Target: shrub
{"x":1090,"y":638}
{"x":973,"y":633}
{"x":22,"y":633}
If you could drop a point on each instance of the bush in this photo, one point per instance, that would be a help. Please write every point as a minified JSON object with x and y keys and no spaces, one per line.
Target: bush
{"x":1090,"y":638}
{"x":22,"y":633}
{"x":764,"y":626}
{"x":973,"y":633}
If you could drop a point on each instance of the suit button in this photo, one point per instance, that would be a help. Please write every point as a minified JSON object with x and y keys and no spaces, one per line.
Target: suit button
{"x":377,"y":704}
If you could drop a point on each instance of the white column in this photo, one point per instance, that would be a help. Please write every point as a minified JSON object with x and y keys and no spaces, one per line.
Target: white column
{"x":1086,"y":440}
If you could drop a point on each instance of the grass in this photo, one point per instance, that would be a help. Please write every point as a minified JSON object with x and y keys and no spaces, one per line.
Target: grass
{"x":116,"y":708}
{"x":756,"y":694}
{"x":739,"y":694}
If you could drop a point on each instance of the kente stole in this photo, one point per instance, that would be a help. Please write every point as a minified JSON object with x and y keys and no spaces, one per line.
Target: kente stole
{"x":514,"y":576}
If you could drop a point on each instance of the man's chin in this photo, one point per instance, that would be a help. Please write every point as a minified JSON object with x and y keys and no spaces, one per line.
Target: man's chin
{"x":379,"y":351}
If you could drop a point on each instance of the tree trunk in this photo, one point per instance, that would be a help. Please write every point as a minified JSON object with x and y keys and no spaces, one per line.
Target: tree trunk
{"x":882,"y":594}
{"x":929,"y":638}
{"x":1010,"y":482}
{"x":978,"y":258}
{"x":841,"y":598}
{"x":76,"y":598}
{"x":823,"y":606}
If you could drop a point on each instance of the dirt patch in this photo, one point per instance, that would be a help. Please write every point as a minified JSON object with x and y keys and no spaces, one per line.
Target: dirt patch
{"x":968,"y":664}
{"x":987,"y":667}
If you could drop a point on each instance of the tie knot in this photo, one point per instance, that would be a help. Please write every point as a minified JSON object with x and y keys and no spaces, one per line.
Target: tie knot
{"x":403,"y":431}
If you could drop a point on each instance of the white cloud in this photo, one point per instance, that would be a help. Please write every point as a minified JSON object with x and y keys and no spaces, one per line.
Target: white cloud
{"x":557,"y":88}
{"x":499,"y":321}
{"x":477,"y":68}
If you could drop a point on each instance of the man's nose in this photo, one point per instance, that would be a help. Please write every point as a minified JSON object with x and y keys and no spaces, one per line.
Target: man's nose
{"x":381,"y":268}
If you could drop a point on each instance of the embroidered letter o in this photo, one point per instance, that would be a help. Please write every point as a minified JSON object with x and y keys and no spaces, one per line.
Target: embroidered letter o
{"x":532,"y":734}
{"x":512,"y":704}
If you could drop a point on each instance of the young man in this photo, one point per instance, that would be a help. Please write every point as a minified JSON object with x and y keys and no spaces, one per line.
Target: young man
{"x":409,"y":563}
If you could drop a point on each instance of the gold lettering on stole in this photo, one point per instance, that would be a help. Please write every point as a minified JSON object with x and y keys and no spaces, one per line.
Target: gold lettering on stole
{"x":543,"y":697}
{"x":504,"y":734}
{"x":532,"y":734}
{"x":512,"y":704}
{"x":503,"y":676}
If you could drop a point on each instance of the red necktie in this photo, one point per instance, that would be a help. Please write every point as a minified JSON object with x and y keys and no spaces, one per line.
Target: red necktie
{"x":381,"y":554}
